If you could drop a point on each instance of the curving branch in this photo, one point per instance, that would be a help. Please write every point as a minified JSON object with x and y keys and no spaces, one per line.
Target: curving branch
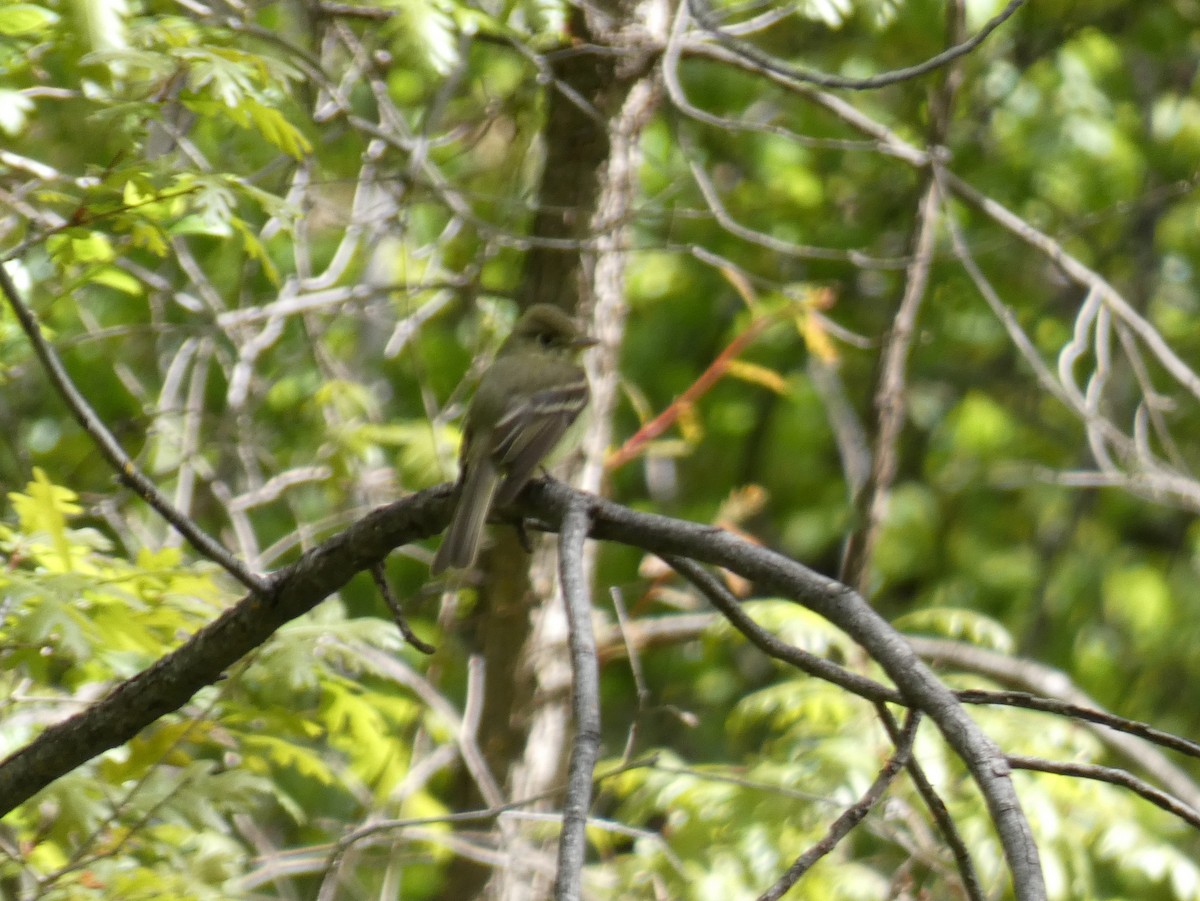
{"x":294,"y":590}
{"x":721,"y":598}
{"x":1063,"y":697}
{"x":704,"y":15}
{"x":820,"y":668}
{"x":848,"y":611}
{"x":1113,"y":776}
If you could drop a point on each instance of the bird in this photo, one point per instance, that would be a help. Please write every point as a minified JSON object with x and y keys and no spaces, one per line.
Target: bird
{"x":526,"y":401}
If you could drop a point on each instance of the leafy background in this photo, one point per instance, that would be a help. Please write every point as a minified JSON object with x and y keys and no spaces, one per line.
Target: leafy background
{"x":270,"y":242}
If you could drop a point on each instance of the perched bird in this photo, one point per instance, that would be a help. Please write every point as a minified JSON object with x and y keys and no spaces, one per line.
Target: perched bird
{"x":523,"y":406}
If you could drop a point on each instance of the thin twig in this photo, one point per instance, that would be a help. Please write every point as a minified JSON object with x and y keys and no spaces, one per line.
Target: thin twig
{"x":1028,"y":701}
{"x":127,"y":471}
{"x":704,"y":15}
{"x":852,"y":816}
{"x":726,"y":220}
{"x":937,"y":809}
{"x":379,"y":575}
{"x":1060,"y":696}
{"x":1081,"y":274}
{"x":723,"y":600}
{"x":891,"y":396}
{"x":635,"y":668}
{"x":716,"y":370}
{"x":1158,"y":798}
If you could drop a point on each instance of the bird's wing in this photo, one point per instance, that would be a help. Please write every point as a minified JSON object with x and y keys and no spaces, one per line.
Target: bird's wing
{"x":530,"y":429}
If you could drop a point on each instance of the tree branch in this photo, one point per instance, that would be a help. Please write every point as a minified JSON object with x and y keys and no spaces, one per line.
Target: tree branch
{"x":120,"y":461}
{"x":167,"y":685}
{"x":937,"y":809}
{"x":847,"y":610}
{"x":1064,"y":698}
{"x":771,"y":645}
{"x":891,"y":397}
{"x":572,"y":842}
{"x":704,"y":15}
{"x":852,"y":816}
{"x":1112,"y":776}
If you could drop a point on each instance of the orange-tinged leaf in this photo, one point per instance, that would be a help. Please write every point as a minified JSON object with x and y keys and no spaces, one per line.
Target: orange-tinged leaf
{"x":741,"y":504}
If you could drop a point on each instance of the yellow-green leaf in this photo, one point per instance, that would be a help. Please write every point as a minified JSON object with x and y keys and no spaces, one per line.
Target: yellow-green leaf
{"x":25,"y":19}
{"x":118,"y":280}
{"x":44,"y":508}
{"x":758,"y":375}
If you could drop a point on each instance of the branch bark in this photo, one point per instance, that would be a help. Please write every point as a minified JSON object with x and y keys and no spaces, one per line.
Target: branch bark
{"x":846,"y":609}
{"x":167,"y":685}
{"x":572,"y":843}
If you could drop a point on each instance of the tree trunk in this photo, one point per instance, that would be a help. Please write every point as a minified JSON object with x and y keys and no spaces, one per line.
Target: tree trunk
{"x":596,"y":111}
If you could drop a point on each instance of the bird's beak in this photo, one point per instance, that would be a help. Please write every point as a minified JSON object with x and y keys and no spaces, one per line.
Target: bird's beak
{"x":584,"y":341}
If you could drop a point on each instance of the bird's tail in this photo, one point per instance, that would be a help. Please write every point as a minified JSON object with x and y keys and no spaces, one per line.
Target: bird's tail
{"x":461,"y":544}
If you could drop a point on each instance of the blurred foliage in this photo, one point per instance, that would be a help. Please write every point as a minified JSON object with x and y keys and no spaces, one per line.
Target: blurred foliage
{"x":269,"y":245}
{"x":301,"y":733}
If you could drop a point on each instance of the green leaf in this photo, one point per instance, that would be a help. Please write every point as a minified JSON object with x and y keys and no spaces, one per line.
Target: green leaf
{"x":21,"y":19}
{"x":249,"y":113}
{"x":81,"y":246}
{"x":422,"y":447}
{"x":118,"y":280}
{"x":428,"y":29}
{"x":255,"y":250}
{"x":283,"y":753}
{"x":272,"y":125}
{"x":44,"y":509}
{"x":149,"y":237}
{"x":959,"y":623}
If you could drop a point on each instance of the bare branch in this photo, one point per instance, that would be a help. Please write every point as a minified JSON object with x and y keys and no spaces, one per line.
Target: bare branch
{"x":1082,"y":275}
{"x":788,"y":248}
{"x":891,"y":396}
{"x":852,"y":816}
{"x":1062,"y":697}
{"x":1114,"y":777}
{"x":635,"y":669}
{"x":704,"y":15}
{"x":721,"y":598}
{"x":127,"y":472}
{"x":572,"y":843}
{"x":847,"y":610}
{"x":379,"y":575}
{"x":937,"y":809}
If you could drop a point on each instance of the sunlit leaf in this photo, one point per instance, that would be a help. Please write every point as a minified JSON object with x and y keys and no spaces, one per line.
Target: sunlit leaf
{"x":14,"y":110}
{"x":23,"y":19}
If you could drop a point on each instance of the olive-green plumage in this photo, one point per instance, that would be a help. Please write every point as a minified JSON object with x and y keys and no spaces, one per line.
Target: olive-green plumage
{"x":523,"y":406}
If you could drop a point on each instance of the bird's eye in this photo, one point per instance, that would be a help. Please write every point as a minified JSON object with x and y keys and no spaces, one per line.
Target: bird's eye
{"x":545,"y":339}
